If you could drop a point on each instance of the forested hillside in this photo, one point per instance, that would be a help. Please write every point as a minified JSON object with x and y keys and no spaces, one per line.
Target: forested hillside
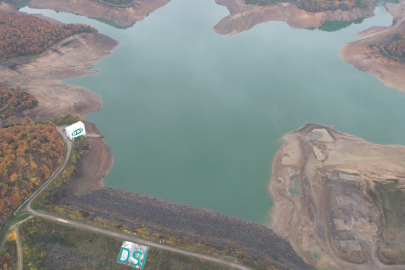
{"x":29,"y":153}
{"x":13,"y":101}
{"x":22,"y":34}
{"x":396,"y":48}
{"x":116,"y":2}
{"x":315,"y":5}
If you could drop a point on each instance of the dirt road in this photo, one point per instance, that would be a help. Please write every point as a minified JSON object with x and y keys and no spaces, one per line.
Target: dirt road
{"x":137,"y":240}
{"x":19,"y":250}
{"x":28,"y":208}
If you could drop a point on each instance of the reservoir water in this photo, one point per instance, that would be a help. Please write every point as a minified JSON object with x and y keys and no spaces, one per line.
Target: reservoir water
{"x":196,"y":118}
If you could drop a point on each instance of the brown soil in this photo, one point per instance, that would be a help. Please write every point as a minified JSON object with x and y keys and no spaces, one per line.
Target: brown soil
{"x":367,"y":54}
{"x":41,"y":76}
{"x":92,"y":167}
{"x":7,"y":8}
{"x":243,"y":17}
{"x":338,"y":220}
{"x":212,"y":229}
{"x":121,"y":16}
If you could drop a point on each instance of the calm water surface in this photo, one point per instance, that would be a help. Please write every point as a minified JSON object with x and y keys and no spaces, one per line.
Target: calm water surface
{"x":195,"y":117}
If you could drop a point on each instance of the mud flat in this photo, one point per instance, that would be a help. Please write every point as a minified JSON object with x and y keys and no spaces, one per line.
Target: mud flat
{"x":368,"y":55}
{"x":350,"y":213}
{"x":243,"y":17}
{"x":7,"y":8}
{"x":41,"y":75}
{"x":93,"y":166}
{"x":123,"y":16}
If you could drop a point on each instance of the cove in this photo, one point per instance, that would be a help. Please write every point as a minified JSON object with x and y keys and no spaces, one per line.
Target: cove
{"x":196,"y":118}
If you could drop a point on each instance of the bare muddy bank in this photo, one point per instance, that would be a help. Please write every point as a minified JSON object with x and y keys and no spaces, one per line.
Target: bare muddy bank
{"x":94,"y":164}
{"x":7,"y":8}
{"x":122,"y":16}
{"x":346,"y":216}
{"x":41,"y":75}
{"x":222,"y":232}
{"x":243,"y":17}
{"x":369,"y":56}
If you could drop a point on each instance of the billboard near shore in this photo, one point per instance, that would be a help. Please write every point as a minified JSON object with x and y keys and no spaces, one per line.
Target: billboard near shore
{"x":132,"y":254}
{"x":75,"y":130}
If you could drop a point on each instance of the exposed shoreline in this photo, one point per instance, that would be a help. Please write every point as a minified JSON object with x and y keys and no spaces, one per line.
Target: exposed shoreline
{"x":41,"y":76}
{"x":243,"y":17}
{"x":124,"y":16}
{"x":313,"y":222}
{"x":366,"y":54}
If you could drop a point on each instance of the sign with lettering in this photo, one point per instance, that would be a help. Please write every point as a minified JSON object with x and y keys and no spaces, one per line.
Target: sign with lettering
{"x":77,"y":132}
{"x":132,"y":254}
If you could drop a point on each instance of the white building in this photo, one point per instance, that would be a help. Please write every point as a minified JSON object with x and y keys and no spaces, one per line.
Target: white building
{"x":75,"y":130}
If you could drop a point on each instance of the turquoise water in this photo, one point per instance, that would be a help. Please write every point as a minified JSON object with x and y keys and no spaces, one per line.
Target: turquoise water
{"x":295,"y":190}
{"x":195,"y":117}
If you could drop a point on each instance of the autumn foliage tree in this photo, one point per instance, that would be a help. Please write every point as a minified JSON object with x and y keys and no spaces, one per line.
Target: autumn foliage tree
{"x":116,"y":2}
{"x":15,"y":101}
{"x":22,"y":34}
{"x":29,"y":153}
{"x":396,"y":48}
{"x":314,"y":5}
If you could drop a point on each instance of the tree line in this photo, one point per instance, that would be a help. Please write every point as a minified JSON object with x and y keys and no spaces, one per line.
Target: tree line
{"x":396,"y":48}
{"x":8,"y":255}
{"x":22,"y":34}
{"x":15,"y":100}
{"x":315,"y":5}
{"x":28,"y":154}
{"x":116,"y":2}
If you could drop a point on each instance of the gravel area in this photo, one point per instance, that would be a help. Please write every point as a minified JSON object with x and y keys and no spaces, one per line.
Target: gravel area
{"x":209,"y":228}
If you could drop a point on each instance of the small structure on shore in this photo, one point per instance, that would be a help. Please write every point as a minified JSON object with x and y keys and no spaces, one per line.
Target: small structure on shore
{"x":75,"y":130}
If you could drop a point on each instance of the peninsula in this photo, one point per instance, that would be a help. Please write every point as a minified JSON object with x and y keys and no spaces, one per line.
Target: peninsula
{"x":372,"y":54}
{"x":123,"y":15}
{"x":347,"y":210}
{"x":244,"y":16}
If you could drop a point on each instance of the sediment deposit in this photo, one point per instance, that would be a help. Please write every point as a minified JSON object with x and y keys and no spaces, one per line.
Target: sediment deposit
{"x":41,"y":75}
{"x":243,"y":17}
{"x":346,"y":217}
{"x":123,"y":16}
{"x":367,"y":54}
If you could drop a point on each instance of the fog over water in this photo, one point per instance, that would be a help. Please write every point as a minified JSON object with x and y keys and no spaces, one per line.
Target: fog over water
{"x":196,"y":118}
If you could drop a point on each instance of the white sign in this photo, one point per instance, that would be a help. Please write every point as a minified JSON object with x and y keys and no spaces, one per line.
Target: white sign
{"x":132,"y":254}
{"x":75,"y":130}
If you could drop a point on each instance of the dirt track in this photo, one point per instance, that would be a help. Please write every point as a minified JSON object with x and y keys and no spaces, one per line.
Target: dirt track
{"x":243,"y":17}
{"x":365,"y":54}
{"x":28,"y":208}
{"x":19,"y":250}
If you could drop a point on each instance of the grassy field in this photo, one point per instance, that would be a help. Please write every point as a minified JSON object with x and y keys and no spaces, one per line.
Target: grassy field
{"x":49,"y":245}
{"x":392,"y":202}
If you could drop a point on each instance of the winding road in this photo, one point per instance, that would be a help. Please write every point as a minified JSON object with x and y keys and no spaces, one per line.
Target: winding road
{"x":27,"y":208}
